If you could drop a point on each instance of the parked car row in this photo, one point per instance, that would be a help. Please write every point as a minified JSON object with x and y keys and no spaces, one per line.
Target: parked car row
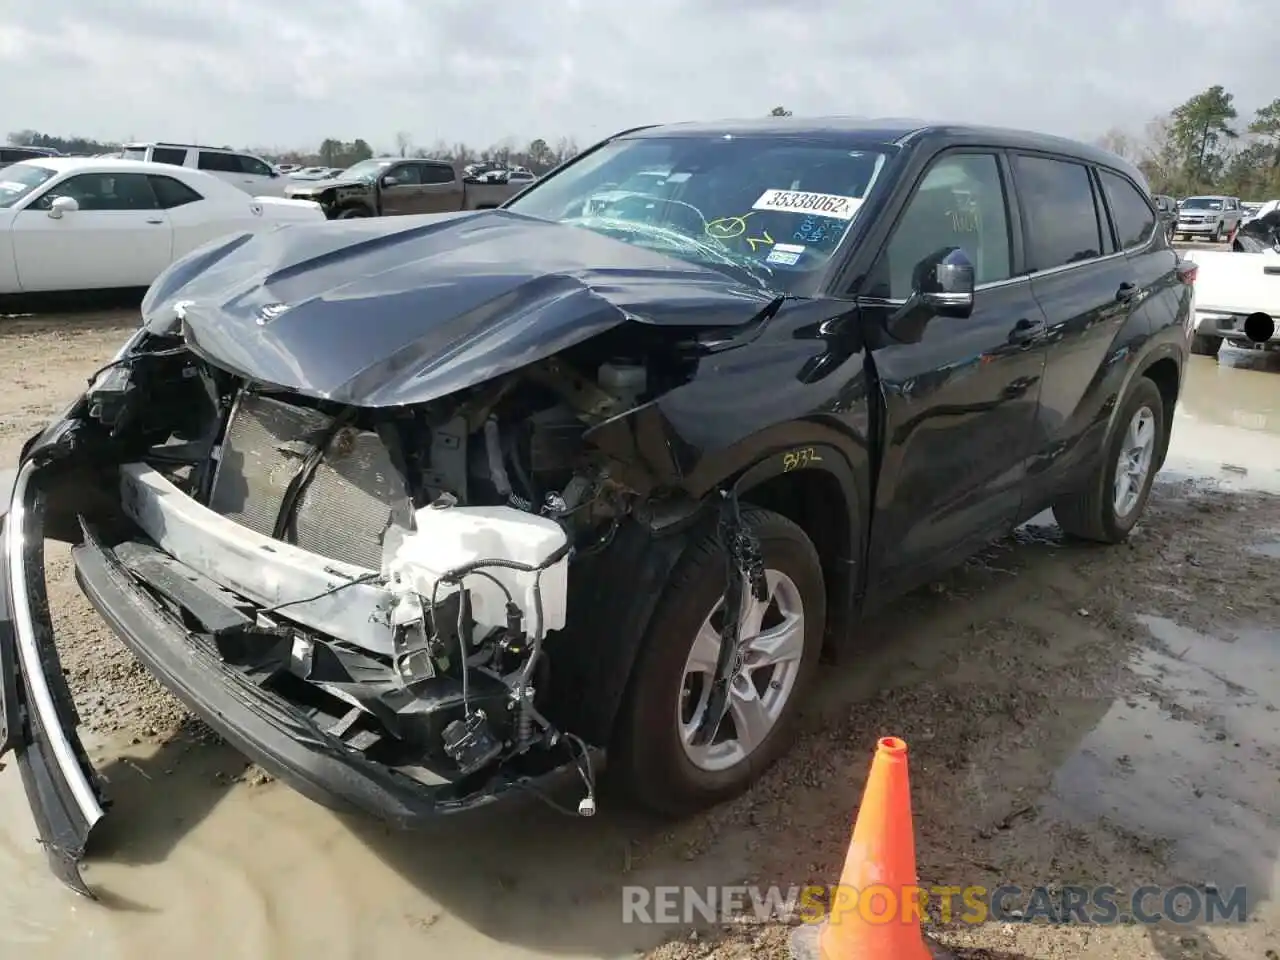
{"x":414,"y":512}
{"x":89,"y":223}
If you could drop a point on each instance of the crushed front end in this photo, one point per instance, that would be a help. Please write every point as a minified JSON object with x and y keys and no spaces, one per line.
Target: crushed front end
{"x":366,"y":601}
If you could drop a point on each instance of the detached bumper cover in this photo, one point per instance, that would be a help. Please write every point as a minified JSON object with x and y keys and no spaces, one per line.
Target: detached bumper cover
{"x":40,"y":721}
{"x":39,"y":718}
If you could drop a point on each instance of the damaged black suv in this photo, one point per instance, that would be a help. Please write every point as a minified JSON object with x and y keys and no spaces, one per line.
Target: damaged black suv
{"x":418,"y":511}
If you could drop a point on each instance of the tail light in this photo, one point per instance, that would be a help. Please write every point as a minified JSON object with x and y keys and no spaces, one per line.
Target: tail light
{"x":1187,"y":272}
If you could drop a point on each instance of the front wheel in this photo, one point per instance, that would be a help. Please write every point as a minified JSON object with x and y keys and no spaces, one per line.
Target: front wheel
{"x":351,"y":213}
{"x":654,"y":750}
{"x":1216,"y":237}
{"x":1109,"y":506}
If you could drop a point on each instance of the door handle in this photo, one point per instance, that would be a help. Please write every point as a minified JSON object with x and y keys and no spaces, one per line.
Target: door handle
{"x":151,"y":220}
{"x":1127,"y":291}
{"x":1025,"y":330}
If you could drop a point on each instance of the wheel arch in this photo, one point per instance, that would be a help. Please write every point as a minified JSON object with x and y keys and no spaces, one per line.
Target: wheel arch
{"x":618,"y":594}
{"x":1163,"y":365}
{"x":815,"y":487}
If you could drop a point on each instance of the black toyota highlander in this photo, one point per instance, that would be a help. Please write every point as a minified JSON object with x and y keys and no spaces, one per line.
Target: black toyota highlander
{"x":418,"y":511}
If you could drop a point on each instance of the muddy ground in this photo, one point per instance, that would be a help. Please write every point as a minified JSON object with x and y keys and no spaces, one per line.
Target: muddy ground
{"x":1076,"y":715}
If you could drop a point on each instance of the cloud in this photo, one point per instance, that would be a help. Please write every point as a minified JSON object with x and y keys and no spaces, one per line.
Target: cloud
{"x":292,"y":72}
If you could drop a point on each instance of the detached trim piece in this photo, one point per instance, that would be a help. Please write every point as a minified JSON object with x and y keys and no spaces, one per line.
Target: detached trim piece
{"x":64,"y":800}
{"x":264,"y":570}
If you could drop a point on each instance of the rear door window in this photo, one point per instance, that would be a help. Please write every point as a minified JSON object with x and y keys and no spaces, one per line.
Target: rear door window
{"x":437,"y":173}
{"x":1060,"y":211}
{"x":1133,"y":217}
{"x":219,"y":162}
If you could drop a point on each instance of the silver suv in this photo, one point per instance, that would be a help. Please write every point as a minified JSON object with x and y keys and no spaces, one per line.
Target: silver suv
{"x":1213,"y":217}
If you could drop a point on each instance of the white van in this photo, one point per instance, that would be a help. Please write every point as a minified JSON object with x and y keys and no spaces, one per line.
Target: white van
{"x":251,"y":174}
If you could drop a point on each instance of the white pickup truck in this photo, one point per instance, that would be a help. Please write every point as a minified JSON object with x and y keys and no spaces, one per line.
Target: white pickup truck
{"x":1238,"y":293}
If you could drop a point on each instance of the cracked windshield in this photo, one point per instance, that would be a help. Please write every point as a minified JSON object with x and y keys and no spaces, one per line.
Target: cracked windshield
{"x":774,"y":210}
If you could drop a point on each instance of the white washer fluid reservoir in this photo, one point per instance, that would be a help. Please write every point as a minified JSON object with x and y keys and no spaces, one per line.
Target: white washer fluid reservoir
{"x":446,"y":538}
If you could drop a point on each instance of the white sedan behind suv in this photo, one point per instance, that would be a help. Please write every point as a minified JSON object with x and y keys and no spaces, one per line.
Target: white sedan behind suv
{"x":251,"y":174}
{"x":88,"y":223}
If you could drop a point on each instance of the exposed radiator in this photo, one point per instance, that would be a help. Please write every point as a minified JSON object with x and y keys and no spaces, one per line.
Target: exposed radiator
{"x":344,"y":510}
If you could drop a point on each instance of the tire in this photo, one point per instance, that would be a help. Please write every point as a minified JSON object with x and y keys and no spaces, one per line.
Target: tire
{"x":1216,"y":236}
{"x":350,"y":213}
{"x":1093,"y":513}
{"x":647,"y":755}
{"x":1205,"y":346}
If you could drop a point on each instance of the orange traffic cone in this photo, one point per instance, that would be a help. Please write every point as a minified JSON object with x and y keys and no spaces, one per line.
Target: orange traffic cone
{"x":875,"y":912}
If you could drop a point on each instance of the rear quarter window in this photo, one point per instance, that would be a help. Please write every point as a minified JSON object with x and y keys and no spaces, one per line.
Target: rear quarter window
{"x":1133,"y":217}
{"x":175,"y":158}
{"x":1061,"y":212}
{"x":173,"y":193}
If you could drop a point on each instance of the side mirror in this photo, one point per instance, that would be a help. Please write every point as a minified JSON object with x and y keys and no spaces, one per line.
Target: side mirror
{"x":389,"y":181}
{"x":61,"y":205}
{"x":942,"y":286}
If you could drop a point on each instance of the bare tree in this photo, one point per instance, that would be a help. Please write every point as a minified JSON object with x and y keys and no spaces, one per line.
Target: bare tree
{"x":1120,"y":143}
{"x":404,"y":143}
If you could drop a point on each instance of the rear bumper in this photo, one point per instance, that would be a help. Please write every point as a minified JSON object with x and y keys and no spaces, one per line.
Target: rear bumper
{"x":39,"y":720}
{"x":1229,"y":325}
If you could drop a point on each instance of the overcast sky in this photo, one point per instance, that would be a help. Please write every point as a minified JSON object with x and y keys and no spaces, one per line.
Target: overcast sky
{"x":291,"y":72}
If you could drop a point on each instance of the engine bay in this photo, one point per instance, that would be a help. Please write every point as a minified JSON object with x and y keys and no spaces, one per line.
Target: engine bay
{"x":441,"y":536}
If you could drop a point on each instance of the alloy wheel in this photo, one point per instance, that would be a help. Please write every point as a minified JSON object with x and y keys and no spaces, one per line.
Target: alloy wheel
{"x":766,"y":667}
{"x":1134,"y":462}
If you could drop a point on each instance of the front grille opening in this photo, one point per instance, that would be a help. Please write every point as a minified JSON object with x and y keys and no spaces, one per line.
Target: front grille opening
{"x":344,"y":509}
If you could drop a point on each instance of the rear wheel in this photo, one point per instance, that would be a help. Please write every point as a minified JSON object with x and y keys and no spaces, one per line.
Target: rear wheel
{"x":1205,"y":346}
{"x":1110,"y":505}
{"x":653,"y":752}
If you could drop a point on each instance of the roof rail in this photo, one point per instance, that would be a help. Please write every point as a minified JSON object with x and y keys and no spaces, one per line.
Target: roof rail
{"x":182,"y":146}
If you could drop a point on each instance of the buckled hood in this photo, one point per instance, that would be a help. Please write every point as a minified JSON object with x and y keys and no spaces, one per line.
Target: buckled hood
{"x":390,"y":311}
